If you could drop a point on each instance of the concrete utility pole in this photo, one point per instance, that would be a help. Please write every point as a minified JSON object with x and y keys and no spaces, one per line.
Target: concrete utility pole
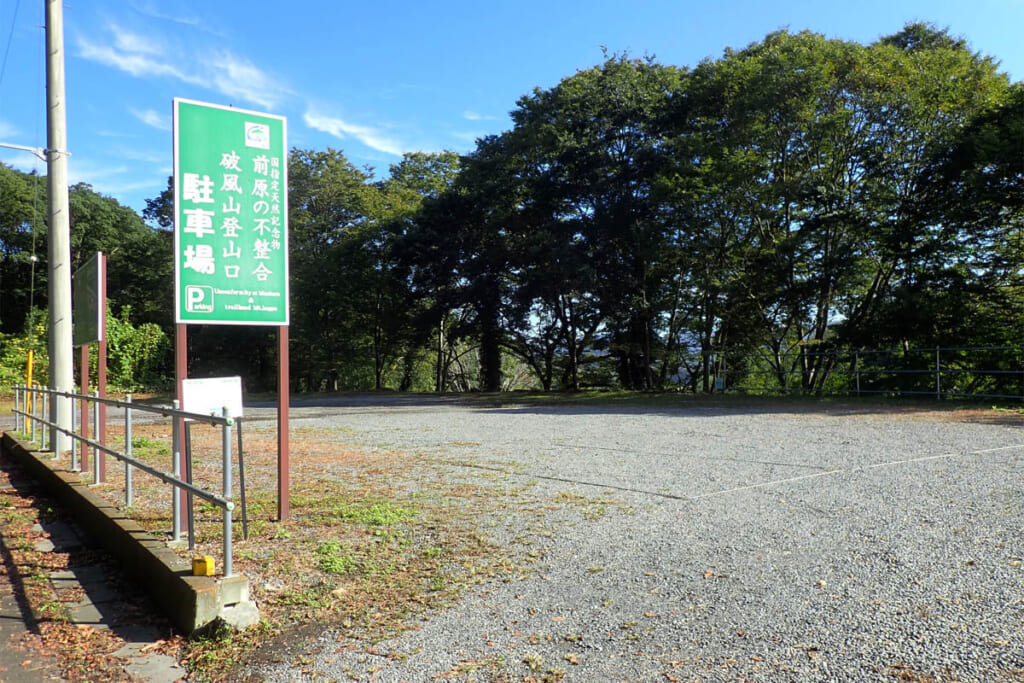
{"x":61,"y":356}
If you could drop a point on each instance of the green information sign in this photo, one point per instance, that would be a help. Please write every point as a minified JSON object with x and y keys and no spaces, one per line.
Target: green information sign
{"x":230,"y":216}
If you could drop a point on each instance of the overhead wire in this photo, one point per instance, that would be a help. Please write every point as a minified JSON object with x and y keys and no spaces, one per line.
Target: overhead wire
{"x":10,"y":39}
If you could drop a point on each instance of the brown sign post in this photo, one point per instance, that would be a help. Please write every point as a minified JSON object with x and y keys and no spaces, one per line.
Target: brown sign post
{"x":89,"y":314}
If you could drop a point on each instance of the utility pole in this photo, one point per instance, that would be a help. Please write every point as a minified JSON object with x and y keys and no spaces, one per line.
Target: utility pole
{"x":61,"y":359}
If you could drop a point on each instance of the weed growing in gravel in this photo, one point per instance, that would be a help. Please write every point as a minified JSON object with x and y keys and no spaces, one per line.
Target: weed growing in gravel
{"x":335,"y":558}
{"x":380,"y":513}
{"x":374,"y":540}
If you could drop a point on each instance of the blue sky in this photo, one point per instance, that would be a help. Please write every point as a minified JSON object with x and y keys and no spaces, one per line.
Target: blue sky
{"x":381,"y":78}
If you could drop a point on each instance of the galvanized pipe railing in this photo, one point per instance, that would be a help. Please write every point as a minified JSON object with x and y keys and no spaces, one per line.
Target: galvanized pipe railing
{"x":27,"y":417}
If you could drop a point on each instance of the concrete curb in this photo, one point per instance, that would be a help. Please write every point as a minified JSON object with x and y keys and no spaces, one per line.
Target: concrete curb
{"x":190,"y":602}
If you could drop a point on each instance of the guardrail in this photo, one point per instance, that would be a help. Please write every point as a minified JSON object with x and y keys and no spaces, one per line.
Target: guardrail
{"x":995,"y":372}
{"x":31,"y":411}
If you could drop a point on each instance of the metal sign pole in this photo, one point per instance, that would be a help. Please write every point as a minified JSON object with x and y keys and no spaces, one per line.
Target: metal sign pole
{"x":101,"y":371}
{"x":283,"y":398}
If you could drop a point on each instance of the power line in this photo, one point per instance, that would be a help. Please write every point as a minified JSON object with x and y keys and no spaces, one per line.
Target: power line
{"x":10,"y":39}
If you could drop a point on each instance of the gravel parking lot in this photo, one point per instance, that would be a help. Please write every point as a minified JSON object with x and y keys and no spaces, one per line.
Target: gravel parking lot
{"x":747,"y":541}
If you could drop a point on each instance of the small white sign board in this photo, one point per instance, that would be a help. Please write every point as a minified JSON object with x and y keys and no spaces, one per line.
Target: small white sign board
{"x":211,"y":395}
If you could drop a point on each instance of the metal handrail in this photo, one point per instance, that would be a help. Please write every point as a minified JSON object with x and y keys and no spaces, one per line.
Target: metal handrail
{"x":867,"y":363}
{"x":26,"y":421}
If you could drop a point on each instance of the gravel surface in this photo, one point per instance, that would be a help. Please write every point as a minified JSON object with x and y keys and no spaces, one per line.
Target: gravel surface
{"x":752,"y":542}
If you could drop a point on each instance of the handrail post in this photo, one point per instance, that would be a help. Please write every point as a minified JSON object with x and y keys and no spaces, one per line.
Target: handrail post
{"x":32,"y":416}
{"x":938,"y":376}
{"x":74,"y":442}
{"x":128,"y":451}
{"x":96,"y":454}
{"x":17,"y":417}
{"x":226,"y":452}
{"x":44,"y":438}
{"x":176,"y":469}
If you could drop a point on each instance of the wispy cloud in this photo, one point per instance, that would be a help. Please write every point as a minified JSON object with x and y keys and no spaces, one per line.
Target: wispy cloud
{"x":138,"y":64}
{"x":23,"y":161}
{"x":152,"y":118}
{"x":238,"y":77}
{"x":116,"y":179}
{"x":152,"y":10}
{"x":148,"y":157}
{"x":7,"y":132}
{"x":230,"y":75}
{"x":467,"y":137}
{"x":476,"y":116}
{"x":85,"y":171}
{"x":342,"y":129}
{"x":126,"y":41}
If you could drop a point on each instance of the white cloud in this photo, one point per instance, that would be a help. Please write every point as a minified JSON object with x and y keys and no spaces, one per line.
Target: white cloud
{"x":341,"y":129}
{"x":137,"y":64}
{"x":152,"y":118}
{"x":238,"y":77}
{"x":23,"y":161}
{"x":232,"y":76}
{"x":467,"y":137}
{"x":7,"y":131}
{"x":127,"y":41}
{"x":152,"y":10}
{"x":85,"y":171}
{"x":133,"y":154}
{"x":475,"y":116}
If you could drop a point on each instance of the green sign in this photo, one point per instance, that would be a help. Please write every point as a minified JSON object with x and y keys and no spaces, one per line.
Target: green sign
{"x":87,"y":302}
{"x":230,"y":216}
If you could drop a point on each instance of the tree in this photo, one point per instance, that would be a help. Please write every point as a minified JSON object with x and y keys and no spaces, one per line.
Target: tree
{"x":326,"y":199}
{"x":457,"y":254}
{"x":22,"y":205}
{"x":594,"y":238}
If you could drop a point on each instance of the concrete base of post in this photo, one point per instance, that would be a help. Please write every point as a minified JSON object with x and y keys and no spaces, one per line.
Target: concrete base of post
{"x":192,"y":603}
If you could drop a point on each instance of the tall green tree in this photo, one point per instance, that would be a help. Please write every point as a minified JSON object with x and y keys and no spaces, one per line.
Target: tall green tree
{"x":22,"y":205}
{"x":593,"y":151}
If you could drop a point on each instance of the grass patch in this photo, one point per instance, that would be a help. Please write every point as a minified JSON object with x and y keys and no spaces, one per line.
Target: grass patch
{"x":336,"y":558}
{"x":379,"y":513}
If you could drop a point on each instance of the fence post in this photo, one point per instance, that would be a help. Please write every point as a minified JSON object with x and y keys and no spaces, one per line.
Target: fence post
{"x":74,"y":442}
{"x":856,"y":369}
{"x":938,"y":376}
{"x":96,"y":455}
{"x":44,"y":438}
{"x":226,"y":452}
{"x":128,"y":450}
{"x":176,"y":469}
{"x":32,"y":416}
{"x":16,"y":416}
